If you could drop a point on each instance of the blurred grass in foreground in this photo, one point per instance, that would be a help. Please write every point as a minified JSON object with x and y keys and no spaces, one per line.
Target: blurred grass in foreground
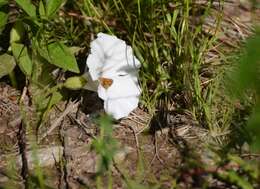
{"x":246,"y":82}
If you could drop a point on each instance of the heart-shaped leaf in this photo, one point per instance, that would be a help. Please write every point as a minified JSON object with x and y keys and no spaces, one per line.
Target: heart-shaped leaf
{"x":61,"y":56}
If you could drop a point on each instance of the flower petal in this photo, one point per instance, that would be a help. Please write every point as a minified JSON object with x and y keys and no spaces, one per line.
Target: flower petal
{"x":121,"y":63}
{"x":120,"y":107}
{"x":110,"y":56}
{"x":95,"y":61}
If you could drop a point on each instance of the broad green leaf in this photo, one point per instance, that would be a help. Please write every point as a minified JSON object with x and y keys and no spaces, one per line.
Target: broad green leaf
{"x":7,"y":64}
{"x":53,"y":6}
{"x":3,"y":20}
{"x":3,"y":2}
{"x":3,"y":17}
{"x":41,"y":49}
{"x":60,"y":55}
{"x":42,"y":9}
{"x":28,"y":7}
{"x":17,"y":32}
{"x":21,"y":55}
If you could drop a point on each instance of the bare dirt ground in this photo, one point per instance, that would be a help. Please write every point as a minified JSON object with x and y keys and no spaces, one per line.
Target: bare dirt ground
{"x":69,"y":133}
{"x":64,"y":152}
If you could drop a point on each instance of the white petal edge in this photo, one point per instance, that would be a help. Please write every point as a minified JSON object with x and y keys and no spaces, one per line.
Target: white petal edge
{"x":110,"y":56}
{"x":120,"y":107}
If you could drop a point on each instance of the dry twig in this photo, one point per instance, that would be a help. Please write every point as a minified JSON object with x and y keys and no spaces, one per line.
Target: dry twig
{"x":71,"y":106}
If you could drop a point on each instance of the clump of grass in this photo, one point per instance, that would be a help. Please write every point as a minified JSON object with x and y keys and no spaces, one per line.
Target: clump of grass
{"x":171,"y":43}
{"x":183,"y":65}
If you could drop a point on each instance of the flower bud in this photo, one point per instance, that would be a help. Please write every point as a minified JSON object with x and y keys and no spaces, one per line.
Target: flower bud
{"x":75,"y":83}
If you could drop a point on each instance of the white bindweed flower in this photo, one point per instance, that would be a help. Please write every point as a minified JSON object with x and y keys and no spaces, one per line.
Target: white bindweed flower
{"x":112,"y":63}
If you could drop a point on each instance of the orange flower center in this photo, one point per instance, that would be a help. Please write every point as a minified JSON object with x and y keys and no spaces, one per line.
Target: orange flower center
{"x":105,"y":82}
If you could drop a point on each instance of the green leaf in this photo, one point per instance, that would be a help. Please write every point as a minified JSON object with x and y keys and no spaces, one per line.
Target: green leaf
{"x":3,"y":20}
{"x":42,"y":9}
{"x":21,"y":55}
{"x":28,"y":7}
{"x":240,"y":181}
{"x":42,"y":72}
{"x":17,"y":32}
{"x":247,"y":75}
{"x":7,"y":64}
{"x":3,"y":15}
{"x":254,"y":127}
{"x":233,"y":178}
{"x":50,"y":101}
{"x":53,"y":6}
{"x":247,"y":167}
{"x":60,"y":55}
{"x":3,"y":2}
{"x":55,"y":98}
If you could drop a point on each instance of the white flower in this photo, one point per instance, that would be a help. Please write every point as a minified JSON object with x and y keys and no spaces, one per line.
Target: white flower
{"x":112,"y":63}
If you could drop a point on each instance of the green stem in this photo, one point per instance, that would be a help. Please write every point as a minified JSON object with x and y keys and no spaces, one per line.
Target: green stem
{"x":13,"y":79}
{"x":54,"y":89}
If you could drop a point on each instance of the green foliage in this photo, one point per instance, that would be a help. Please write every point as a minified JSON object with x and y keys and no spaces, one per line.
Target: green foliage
{"x":52,"y":7}
{"x":233,"y":178}
{"x":17,"y":33}
{"x":75,"y":83}
{"x":3,"y":2}
{"x":7,"y":64}
{"x":3,"y":14}
{"x":249,"y":168}
{"x":20,"y":51}
{"x":60,"y":55}
{"x":23,"y":58}
{"x":246,"y":82}
{"x":28,"y":7}
{"x":247,"y":76}
{"x":246,"y":175}
{"x":3,"y":19}
{"x":253,"y":126}
{"x":105,"y":145}
{"x":39,"y":50}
